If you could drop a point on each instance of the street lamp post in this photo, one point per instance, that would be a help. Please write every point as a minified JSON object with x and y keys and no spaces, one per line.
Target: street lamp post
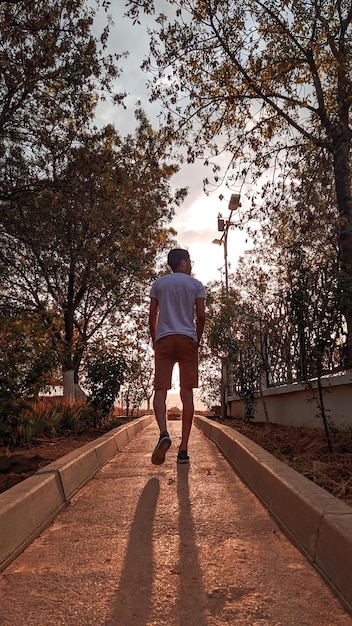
{"x":223,"y":242}
{"x":224,"y":226}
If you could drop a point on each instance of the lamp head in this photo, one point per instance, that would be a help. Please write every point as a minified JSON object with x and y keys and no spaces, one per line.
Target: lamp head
{"x":234,"y":201}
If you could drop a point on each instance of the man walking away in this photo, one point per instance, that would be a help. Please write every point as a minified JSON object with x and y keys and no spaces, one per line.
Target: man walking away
{"x":175,"y":300}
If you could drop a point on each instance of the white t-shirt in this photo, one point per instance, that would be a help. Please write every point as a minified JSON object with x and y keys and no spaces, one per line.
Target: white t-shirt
{"x":176,"y":294}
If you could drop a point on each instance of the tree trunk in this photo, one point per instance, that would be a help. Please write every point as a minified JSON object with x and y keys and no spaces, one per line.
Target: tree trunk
{"x":69,"y":384}
{"x":224,"y":366}
{"x":261,"y":395}
{"x":68,"y":365}
{"x":342,"y":172}
{"x":79,"y":393}
{"x":76,"y":363}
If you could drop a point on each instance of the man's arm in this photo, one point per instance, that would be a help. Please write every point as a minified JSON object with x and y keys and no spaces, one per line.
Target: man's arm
{"x":200,"y":321}
{"x":153,"y":316}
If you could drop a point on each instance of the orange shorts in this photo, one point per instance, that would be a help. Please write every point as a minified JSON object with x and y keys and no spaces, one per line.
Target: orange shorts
{"x":176,"y":349}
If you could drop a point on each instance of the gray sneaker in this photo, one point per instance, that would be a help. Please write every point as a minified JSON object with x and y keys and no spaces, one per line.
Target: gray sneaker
{"x":161,"y":448}
{"x":182,"y":457}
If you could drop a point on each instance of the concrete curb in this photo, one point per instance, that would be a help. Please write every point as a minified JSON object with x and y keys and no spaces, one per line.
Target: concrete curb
{"x":319,"y":524}
{"x":29,"y":507}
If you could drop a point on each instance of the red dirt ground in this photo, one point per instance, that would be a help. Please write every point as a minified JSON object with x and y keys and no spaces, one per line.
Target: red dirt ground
{"x":306,"y":451}
{"x":22,"y":462}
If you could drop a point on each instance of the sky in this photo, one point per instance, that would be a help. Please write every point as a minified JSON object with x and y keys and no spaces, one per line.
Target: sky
{"x":196,"y":220}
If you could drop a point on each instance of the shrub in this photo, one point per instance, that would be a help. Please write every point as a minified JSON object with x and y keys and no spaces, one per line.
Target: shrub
{"x":105,"y":375}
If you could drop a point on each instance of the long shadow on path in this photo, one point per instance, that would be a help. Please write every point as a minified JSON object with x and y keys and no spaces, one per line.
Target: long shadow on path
{"x":133,"y":602}
{"x":192,"y":597}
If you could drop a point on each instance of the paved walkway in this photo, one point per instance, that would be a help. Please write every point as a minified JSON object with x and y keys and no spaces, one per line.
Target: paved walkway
{"x":165,"y":546}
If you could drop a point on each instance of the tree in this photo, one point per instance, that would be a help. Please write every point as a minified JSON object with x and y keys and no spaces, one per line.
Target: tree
{"x":29,"y":363}
{"x":288,"y":286}
{"x":259,"y":80}
{"x":140,"y":358}
{"x":234,"y":337}
{"x":210,"y":376}
{"x":105,"y":373}
{"x":132,"y":392}
{"x":82,"y":212}
{"x":140,"y":352}
{"x":52,"y":71}
{"x":133,"y":339}
{"x":84,"y":233}
{"x":298,"y":245}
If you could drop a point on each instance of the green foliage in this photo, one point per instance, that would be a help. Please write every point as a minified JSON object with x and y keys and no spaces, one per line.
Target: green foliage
{"x":132,"y":398}
{"x":12,"y":428}
{"x":43,"y":418}
{"x":105,"y":373}
{"x":285,"y":320}
{"x":28,"y":352}
{"x":52,"y":70}
{"x":210,"y":375}
{"x":29,"y":360}
{"x":85,"y":242}
{"x":83,"y":213}
{"x":307,"y":329}
{"x":312,"y":298}
{"x":234,"y":337}
{"x":294,"y":72}
{"x":292,"y":82}
{"x":270,"y":84}
{"x":67,"y":417}
{"x":138,"y":384}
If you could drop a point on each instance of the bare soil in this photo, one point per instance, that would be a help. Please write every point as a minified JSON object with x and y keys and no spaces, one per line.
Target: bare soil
{"x":20,"y":463}
{"x":304,"y":449}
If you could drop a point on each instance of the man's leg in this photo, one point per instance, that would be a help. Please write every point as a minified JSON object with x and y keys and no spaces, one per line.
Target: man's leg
{"x":164,"y":363}
{"x":164,"y":443}
{"x":159,"y":404}
{"x":187,"y":415}
{"x":162,"y":381}
{"x":188,"y":362}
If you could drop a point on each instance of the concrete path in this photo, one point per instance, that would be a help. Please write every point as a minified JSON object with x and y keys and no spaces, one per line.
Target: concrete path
{"x":165,"y":546}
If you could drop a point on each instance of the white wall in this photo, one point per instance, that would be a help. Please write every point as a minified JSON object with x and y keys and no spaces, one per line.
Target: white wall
{"x":294,"y":405}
